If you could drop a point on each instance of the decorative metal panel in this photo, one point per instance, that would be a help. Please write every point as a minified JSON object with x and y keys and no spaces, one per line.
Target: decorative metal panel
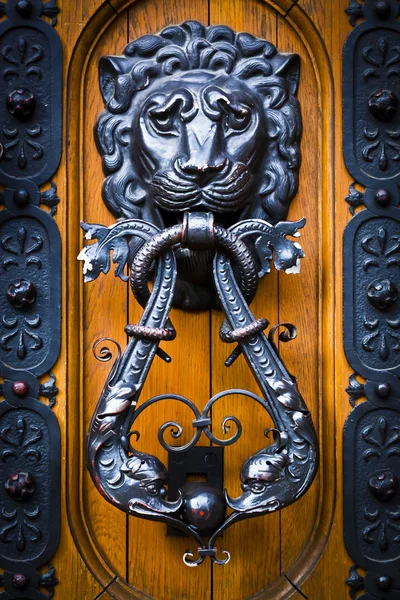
{"x":371,"y":283}
{"x":30,"y":311}
{"x":29,"y":478}
{"x":30,"y":308}
{"x":30,"y":60}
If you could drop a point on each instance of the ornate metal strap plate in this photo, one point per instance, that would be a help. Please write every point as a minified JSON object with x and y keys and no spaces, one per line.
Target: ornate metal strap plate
{"x":215,"y":125}
{"x":371,"y":134}
{"x":30,"y":267}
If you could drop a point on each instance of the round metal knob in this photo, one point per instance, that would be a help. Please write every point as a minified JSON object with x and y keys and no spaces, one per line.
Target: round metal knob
{"x":20,"y":388}
{"x":382,"y":9}
{"x":21,"y":293}
{"x":382,"y":197}
{"x":20,"y":581}
{"x":24,"y":8}
{"x":21,"y":197}
{"x":384,"y":582}
{"x":20,"y":485}
{"x":21,"y":103}
{"x":383,"y":104}
{"x":383,"y":485}
{"x":383,"y":390}
{"x":203,"y":506}
{"x":382,"y":294}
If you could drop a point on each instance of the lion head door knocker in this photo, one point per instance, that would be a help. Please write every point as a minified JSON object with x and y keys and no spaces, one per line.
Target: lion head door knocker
{"x":200,"y":145}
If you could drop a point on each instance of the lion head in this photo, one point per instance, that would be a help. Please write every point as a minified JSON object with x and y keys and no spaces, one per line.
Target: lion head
{"x":199,"y":118}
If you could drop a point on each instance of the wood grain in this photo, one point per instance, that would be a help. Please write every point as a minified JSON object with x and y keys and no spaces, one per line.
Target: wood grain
{"x":297,"y":520}
{"x":254,"y":544}
{"x":262,"y":549}
{"x":188,"y":375}
{"x":104,"y":302}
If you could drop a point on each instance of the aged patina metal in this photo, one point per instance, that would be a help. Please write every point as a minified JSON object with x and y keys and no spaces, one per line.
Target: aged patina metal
{"x":371,"y":275}
{"x":30,"y":325}
{"x":215,"y":123}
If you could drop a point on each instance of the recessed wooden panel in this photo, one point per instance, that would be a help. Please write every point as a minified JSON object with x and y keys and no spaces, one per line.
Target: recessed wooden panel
{"x":137,"y":553}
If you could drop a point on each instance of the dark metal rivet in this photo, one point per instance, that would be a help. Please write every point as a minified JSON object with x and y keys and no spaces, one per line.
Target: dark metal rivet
{"x":24,"y":8}
{"x":21,"y":103}
{"x":383,"y":104}
{"x":21,"y":197}
{"x":20,"y":485}
{"x":382,"y":294}
{"x":20,"y":581}
{"x":382,"y":9}
{"x":20,"y":388}
{"x":384,"y":582}
{"x":383,"y":485}
{"x":383,"y":390}
{"x":383,"y":197}
{"x":21,"y":293}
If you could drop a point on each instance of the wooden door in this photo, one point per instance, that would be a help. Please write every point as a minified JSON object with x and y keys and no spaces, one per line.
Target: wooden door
{"x":299,"y":551}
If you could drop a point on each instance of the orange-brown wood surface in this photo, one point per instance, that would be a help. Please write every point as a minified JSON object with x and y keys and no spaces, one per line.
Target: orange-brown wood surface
{"x":103,"y":553}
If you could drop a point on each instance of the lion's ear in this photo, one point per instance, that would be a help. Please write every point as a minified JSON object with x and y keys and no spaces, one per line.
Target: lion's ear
{"x":110,"y":68}
{"x":289,"y":68}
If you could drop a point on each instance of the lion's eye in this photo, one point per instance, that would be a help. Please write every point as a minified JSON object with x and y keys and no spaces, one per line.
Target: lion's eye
{"x":237,"y":121}
{"x":163,"y":122}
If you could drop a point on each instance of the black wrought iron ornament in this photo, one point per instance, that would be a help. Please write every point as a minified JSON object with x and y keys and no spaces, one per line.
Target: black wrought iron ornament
{"x":30,"y":266}
{"x":200,"y":145}
{"x":371,"y":128}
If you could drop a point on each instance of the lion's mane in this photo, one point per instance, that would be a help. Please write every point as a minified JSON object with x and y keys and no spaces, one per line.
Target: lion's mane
{"x":190,"y":46}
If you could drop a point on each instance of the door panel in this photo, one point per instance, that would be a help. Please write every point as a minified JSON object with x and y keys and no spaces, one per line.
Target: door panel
{"x":301,"y":546}
{"x":201,"y":364}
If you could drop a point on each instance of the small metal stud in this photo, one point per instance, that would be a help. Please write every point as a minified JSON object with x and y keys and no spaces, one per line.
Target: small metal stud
{"x":24,"y":8}
{"x":382,"y":9}
{"x":21,"y":197}
{"x":384,"y":582}
{"x":20,"y":581}
{"x":20,"y":388}
{"x":383,"y":390}
{"x":382,"y":197}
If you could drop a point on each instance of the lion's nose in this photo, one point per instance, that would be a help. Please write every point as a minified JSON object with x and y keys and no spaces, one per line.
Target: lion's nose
{"x":201,"y":156}
{"x":201,"y":168}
